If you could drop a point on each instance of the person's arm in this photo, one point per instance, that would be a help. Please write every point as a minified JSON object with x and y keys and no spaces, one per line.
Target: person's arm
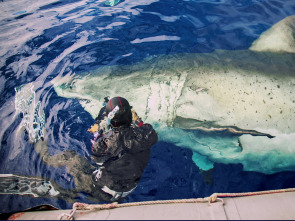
{"x":101,"y":116}
{"x":136,"y":120}
{"x":151,"y":135}
{"x":99,"y":150}
{"x":102,"y":112}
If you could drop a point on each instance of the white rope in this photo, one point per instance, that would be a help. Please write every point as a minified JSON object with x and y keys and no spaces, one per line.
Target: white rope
{"x":68,"y":216}
{"x":211,"y":199}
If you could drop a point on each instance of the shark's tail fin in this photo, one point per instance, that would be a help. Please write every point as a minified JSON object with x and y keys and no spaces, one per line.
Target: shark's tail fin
{"x":24,"y":185}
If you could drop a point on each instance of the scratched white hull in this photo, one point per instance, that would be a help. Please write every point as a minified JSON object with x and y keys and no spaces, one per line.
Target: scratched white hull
{"x":276,"y":206}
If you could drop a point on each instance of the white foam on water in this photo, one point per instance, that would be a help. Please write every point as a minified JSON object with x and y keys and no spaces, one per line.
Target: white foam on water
{"x":22,"y":185}
{"x":33,"y":116}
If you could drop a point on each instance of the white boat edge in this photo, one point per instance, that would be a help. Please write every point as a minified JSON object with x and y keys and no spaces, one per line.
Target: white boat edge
{"x":272,"y":205}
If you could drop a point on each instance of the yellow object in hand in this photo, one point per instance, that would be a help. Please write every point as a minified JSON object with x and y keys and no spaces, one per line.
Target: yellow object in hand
{"x":134,"y":116}
{"x":94,"y":128}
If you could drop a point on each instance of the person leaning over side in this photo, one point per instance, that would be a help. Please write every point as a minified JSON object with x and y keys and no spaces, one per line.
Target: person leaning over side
{"x":122,"y":153}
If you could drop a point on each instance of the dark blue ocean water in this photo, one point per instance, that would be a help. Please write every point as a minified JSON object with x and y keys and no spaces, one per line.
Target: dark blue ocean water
{"x":40,"y":40}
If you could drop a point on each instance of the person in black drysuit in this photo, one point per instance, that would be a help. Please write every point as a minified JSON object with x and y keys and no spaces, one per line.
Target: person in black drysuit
{"x":122,"y":153}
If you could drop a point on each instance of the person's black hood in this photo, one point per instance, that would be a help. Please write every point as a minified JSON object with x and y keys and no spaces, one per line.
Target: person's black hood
{"x":123,"y":116}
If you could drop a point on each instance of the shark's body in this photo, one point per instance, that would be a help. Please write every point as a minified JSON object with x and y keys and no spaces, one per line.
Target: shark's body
{"x":244,"y":92}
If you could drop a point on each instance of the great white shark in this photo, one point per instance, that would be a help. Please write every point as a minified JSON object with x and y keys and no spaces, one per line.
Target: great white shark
{"x":247,"y":92}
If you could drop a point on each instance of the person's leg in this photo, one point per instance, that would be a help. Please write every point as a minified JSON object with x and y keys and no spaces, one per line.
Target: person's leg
{"x":77,"y":166}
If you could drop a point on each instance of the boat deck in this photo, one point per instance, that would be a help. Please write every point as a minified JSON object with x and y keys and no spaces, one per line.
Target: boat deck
{"x":275,"y":206}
